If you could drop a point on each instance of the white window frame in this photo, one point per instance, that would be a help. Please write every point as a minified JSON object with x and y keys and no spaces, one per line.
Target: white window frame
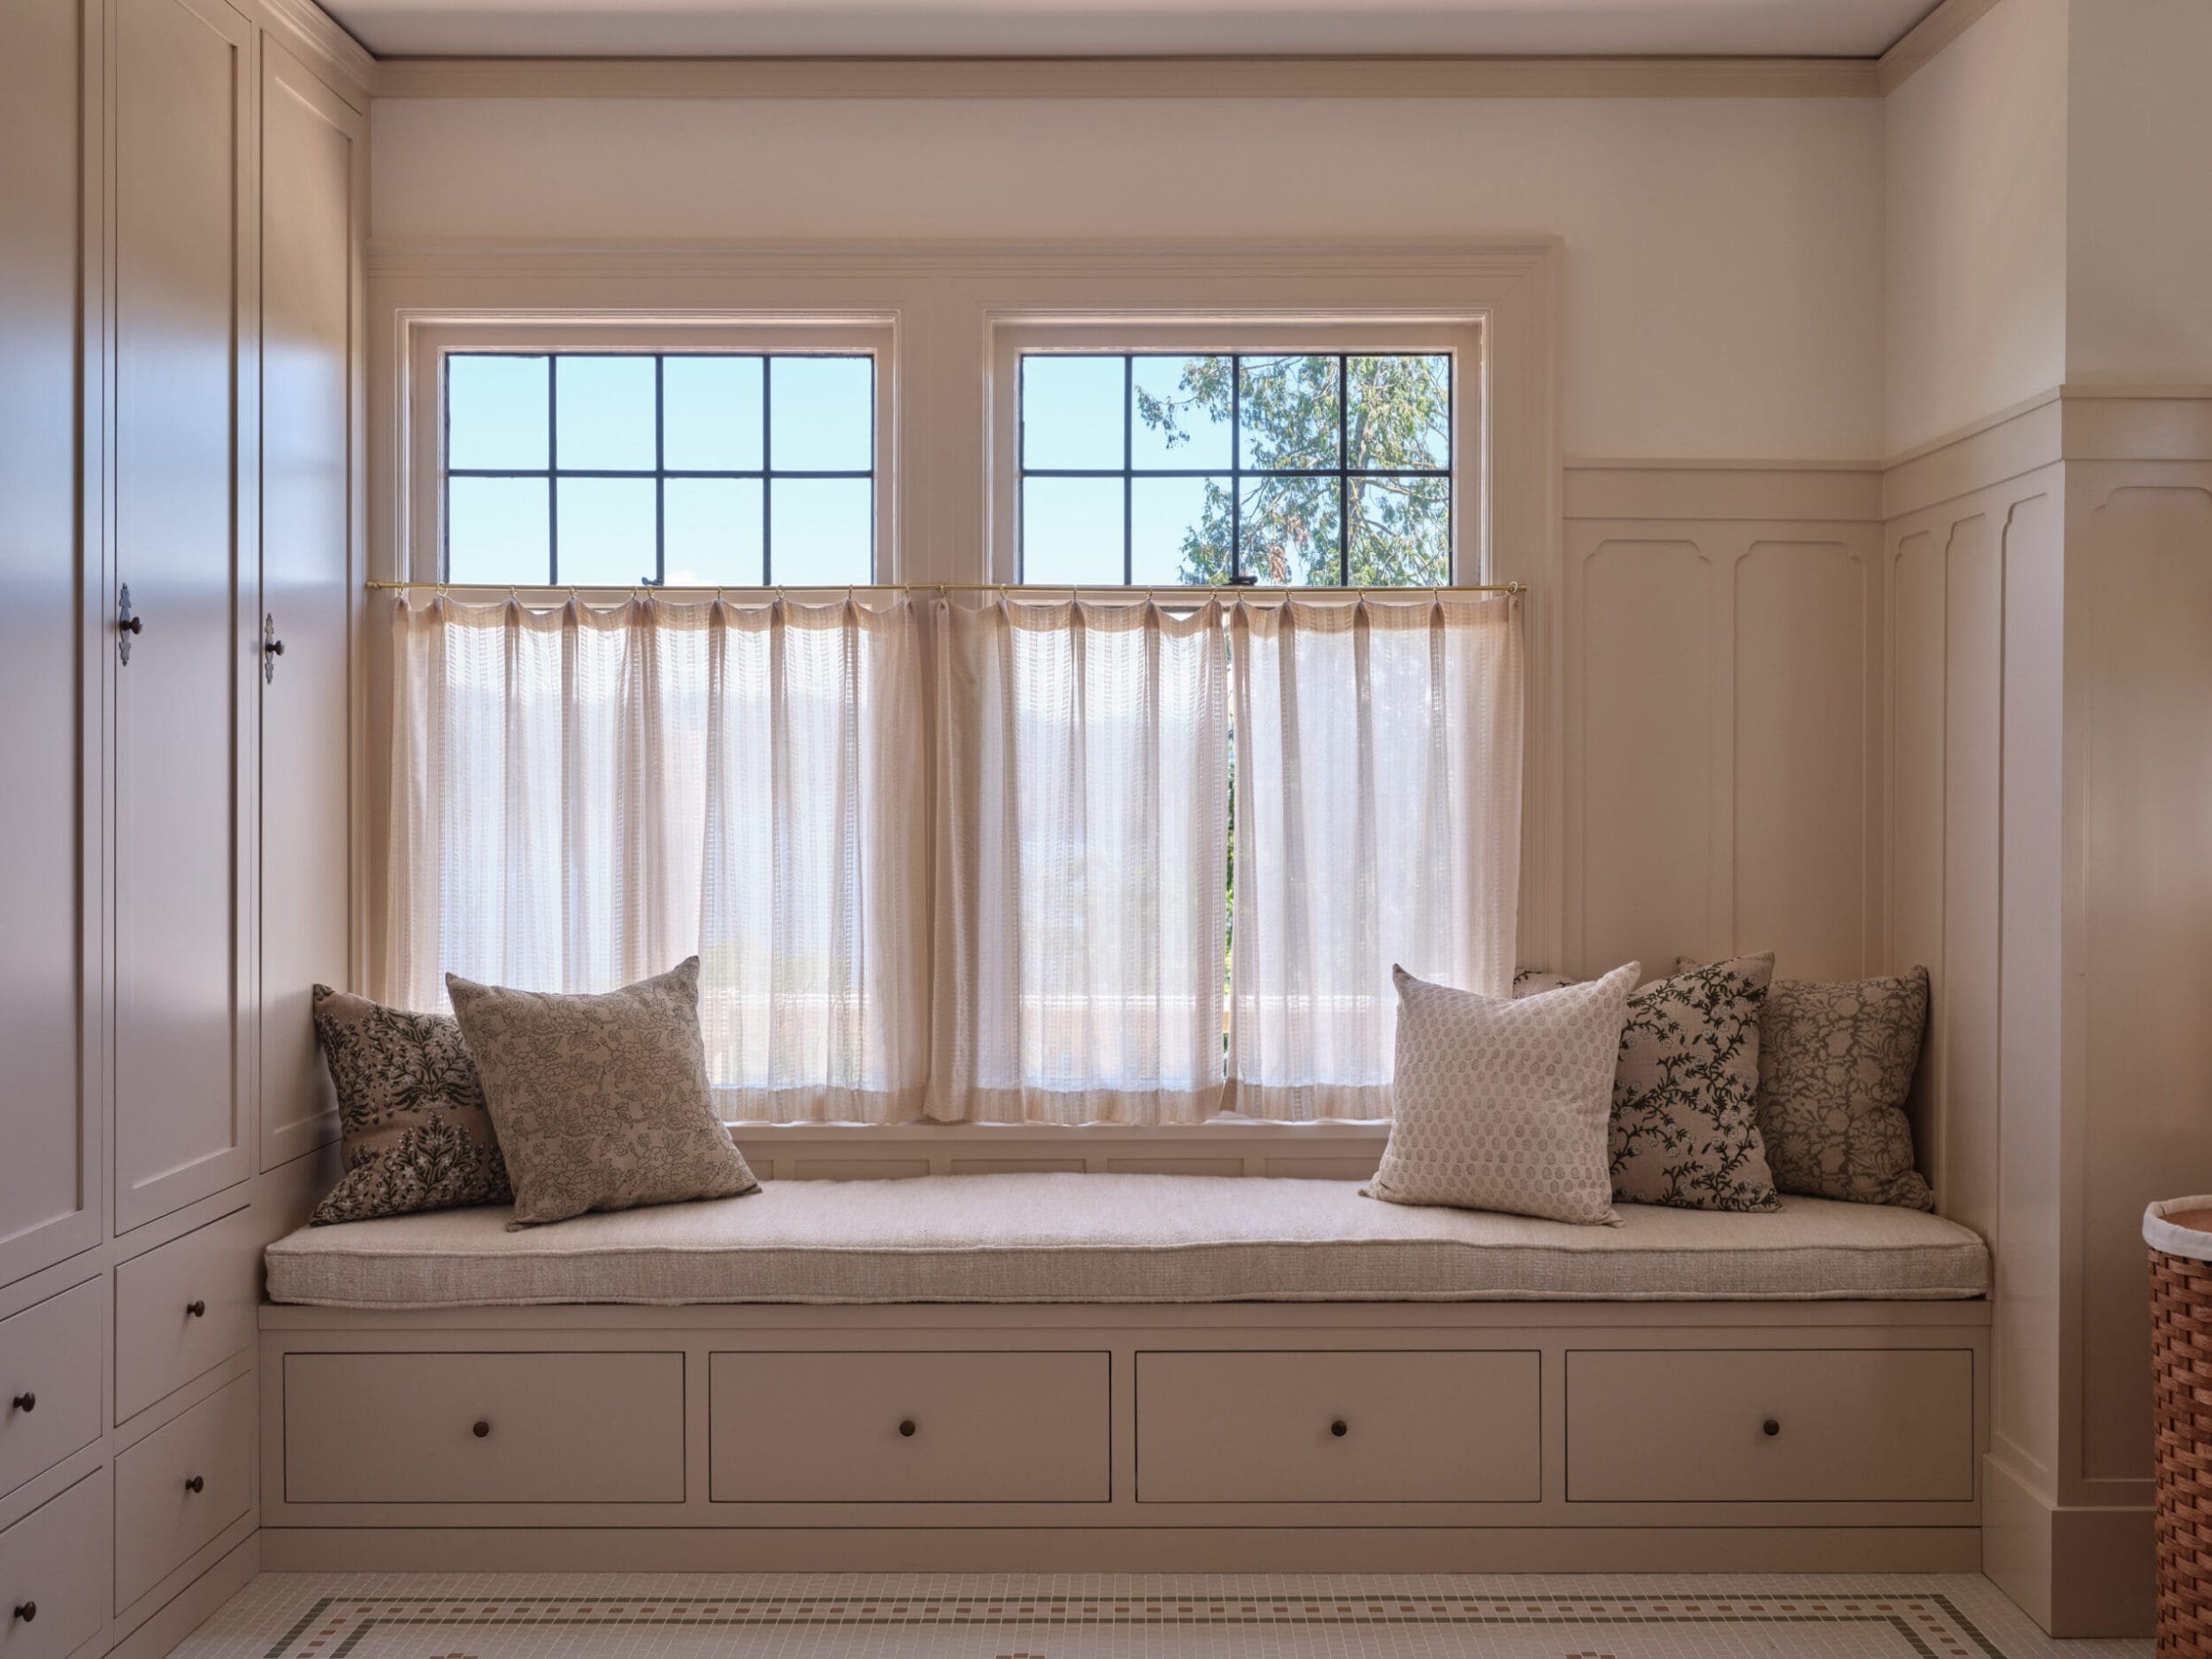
{"x":1461,"y":338}
{"x":432,"y":344}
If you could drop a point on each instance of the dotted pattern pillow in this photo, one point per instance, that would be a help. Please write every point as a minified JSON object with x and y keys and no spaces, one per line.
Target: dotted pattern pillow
{"x":1836,"y":1064}
{"x":1685,"y":1124}
{"x":1502,"y":1103}
{"x":414,"y":1131}
{"x":600,"y":1102}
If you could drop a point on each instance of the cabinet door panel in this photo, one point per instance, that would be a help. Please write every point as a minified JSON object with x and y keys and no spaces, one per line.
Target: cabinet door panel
{"x":48,"y":1207}
{"x":182,"y":298}
{"x":313,"y":166}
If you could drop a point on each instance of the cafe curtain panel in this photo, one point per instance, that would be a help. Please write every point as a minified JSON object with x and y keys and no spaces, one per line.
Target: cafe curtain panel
{"x":969,"y":861}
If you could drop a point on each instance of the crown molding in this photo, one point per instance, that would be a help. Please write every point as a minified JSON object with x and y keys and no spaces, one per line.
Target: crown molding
{"x":309,"y":30}
{"x":1920,"y":43}
{"x":1125,"y":77}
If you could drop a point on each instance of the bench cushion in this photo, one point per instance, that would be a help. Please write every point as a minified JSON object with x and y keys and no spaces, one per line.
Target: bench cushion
{"x":1070,"y":1238}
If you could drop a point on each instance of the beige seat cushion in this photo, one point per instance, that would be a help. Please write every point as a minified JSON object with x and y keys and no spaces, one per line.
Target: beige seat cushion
{"x":1121,"y":1239}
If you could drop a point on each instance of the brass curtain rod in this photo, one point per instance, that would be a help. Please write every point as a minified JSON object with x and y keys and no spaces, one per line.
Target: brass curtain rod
{"x":1041,"y":589}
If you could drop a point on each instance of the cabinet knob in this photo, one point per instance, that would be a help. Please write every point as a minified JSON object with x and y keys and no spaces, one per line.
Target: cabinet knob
{"x":1339,"y":1428}
{"x":27,"y":1610}
{"x":129,"y":625}
{"x":196,"y":1308}
{"x":482,"y":1429}
{"x":906,"y":1427}
{"x":24,"y":1401}
{"x":1770,"y":1428}
{"x":272,"y":648}
{"x":195,"y":1483}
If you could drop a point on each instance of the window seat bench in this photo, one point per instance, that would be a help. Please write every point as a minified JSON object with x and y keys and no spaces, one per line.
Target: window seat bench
{"x":1069,"y":1371}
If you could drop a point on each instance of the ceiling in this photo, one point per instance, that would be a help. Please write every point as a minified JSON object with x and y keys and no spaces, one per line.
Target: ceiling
{"x":875,"y":28}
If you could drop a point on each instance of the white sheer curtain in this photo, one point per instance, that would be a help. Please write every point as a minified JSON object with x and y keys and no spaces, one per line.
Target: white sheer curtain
{"x":1378,"y":821}
{"x":970,"y":862}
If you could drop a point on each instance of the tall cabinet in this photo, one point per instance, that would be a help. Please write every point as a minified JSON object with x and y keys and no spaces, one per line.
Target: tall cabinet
{"x":182,"y":215}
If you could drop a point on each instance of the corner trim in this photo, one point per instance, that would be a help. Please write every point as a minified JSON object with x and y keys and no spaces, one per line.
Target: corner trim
{"x":1920,"y":43}
{"x":316,"y":36}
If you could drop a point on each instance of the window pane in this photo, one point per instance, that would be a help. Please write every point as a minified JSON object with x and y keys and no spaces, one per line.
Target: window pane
{"x":1071,"y":413}
{"x":711,"y":414}
{"x":712,"y":532}
{"x":606,"y":413}
{"x":1071,"y":530}
{"x":821,"y":531}
{"x":1181,"y":418}
{"x":821,"y":414}
{"x":606,"y":531}
{"x":496,"y":413}
{"x":1179,"y":530}
{"x":495,"y":530}
{"x":1290,"y":532}
{"x":1401,"y":532}
{"x":1401,"y":413}
{"x":1289,"y":411}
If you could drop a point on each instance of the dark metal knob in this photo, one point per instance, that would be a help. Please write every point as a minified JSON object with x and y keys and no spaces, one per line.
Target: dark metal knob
{"x":27,"y":1610}
{"x":272,"y":648}
{"x":24,"y":1401}
{"x":195,"y":1483}
{"x":275,"y":648}
{"x":132,"y":625}
{"x":482,"y":1429}
{"x":907,"y":1428}
{"x":1339,"y":1428}
{"x":1771,"y":1427}
{"x":196,"y":1308}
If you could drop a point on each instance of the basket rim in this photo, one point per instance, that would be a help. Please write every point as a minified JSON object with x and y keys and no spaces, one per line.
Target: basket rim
{"x":2162,"y":1234}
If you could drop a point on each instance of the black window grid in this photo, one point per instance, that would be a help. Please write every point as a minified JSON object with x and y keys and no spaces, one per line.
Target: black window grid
{"x":1236,"y":472}
{"x":659,"y":473}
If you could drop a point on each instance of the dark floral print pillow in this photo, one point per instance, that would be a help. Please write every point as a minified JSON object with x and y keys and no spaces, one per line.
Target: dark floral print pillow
{"x":1836,"y":1064}
{"x":1685,"y":1127}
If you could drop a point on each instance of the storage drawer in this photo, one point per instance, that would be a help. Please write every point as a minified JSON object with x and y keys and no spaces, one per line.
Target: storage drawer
{"x":910,"y":1428}
{"x":1780,"y":1425}
{"x":183,"y":1309}
{"x":1365,"y":1427}
{"x":178,"y":1488}
{"x":52,"y":1564}
{"x":484,"y":1428}
{"x":49,"y":1382}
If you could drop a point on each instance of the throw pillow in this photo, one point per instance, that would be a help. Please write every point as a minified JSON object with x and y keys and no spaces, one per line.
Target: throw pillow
{"x":1536,"y":981}
{"x":600,"y":1102}
{"x":1503,"y":1102}
{"x":1835,"y":1066}
{"x":414,"y":1133}
{"x":1685,"y":1125}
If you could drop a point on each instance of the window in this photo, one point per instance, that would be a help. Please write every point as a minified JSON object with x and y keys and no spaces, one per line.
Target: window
{"x":612,"y":468}
{"x":1283,"y":469}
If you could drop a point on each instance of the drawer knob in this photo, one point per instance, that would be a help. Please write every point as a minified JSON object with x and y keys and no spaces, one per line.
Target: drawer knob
{"x":1770,"y":1428}
{"x":482,"y":1429}
{"x":1339,"y":1428}
{"x":27,"y":1610}
{"x":196,"y":1308}
{"x":195,"y":1483}
{"x":24,"y":1401}
{"x":906,"y":1427}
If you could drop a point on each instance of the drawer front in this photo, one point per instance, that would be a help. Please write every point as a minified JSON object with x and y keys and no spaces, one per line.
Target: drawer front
{"x":161,"y":1515}
{"x":160,"y":1343}
{"x":52,"y":1564}
{"x":979,"y":1428}
{"x":1419,"y":1428}
{"x":49,"y":1382}
{"x":484,"y":1428}
{"x":1847,"y":1424}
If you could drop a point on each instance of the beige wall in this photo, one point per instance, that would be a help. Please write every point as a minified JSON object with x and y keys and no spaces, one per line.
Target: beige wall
{"x":1976,"y":226}
{"x":1723,"y":283}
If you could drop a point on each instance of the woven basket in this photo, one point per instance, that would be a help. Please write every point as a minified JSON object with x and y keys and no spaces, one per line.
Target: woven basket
{"x":2181,"y":1351}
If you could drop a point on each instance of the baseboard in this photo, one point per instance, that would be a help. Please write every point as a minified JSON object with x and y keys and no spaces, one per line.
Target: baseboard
{"x":1124,"y":1550}
{"x":186,"y":1610}
{"x":2076,"y":1571}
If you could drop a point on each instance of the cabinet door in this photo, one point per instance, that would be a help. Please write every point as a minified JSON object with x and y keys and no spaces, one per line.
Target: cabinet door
{"x":314,"y":167}
{"x":49,"y":669}
{"x":184,"y":383}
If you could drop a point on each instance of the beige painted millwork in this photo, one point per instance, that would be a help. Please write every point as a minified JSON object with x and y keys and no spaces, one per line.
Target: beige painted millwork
{"x":161,"y":1342}
{"x":162,"y":1516}
{"x":50,"y":1382}
{"x":57,"y":1557}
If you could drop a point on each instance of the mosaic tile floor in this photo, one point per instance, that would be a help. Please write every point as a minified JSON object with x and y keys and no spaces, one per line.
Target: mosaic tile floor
{"x":687,"y":1615}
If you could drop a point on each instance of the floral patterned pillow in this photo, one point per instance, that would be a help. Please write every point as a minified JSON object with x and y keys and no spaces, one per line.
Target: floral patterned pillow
{"x":411,"y":1112}
{"x":1686,"y":1128}
{"x":1836,"y":1064}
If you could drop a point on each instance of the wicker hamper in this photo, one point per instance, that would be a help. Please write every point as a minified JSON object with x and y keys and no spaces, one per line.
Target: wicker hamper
{"x":2179,"y":1232}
